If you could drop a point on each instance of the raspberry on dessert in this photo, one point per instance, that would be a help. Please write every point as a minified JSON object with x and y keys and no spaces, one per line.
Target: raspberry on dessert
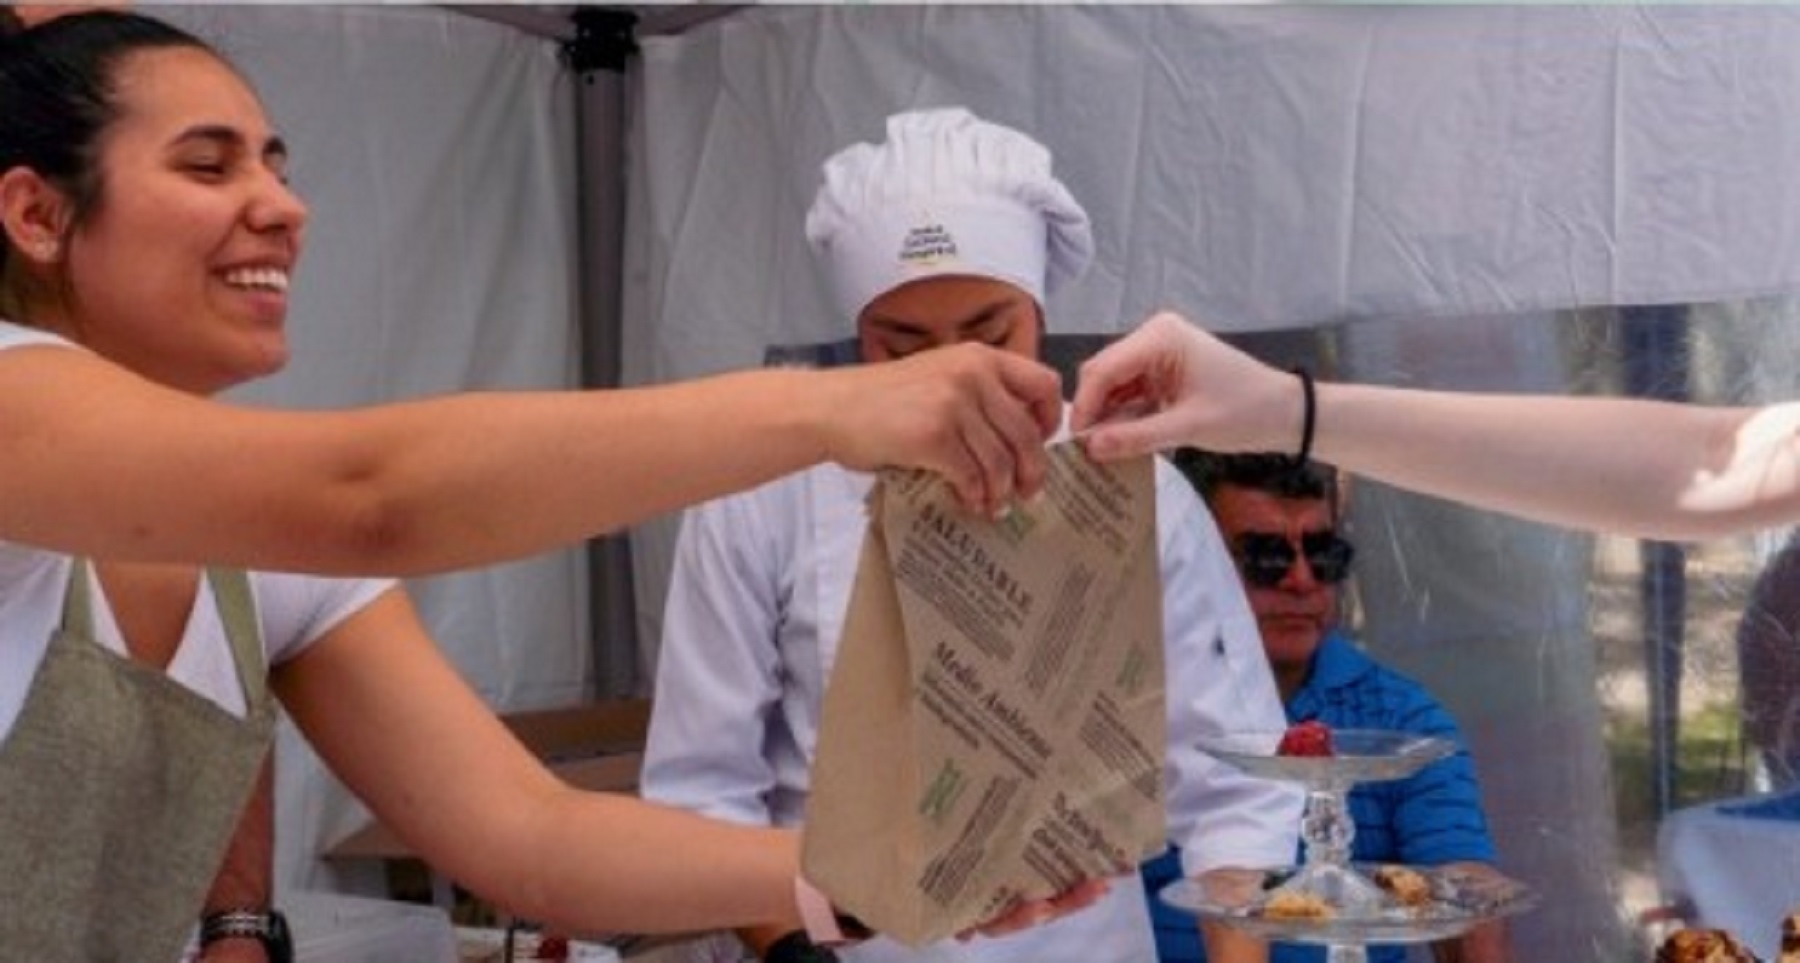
{"x":1309,"y":738}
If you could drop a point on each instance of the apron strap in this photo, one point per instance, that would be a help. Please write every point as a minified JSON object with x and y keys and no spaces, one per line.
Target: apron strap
{"x":78,"y":602}
{"x":237,"y":613}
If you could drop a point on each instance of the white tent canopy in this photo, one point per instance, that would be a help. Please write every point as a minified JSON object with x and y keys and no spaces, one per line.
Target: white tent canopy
{"x":485,"y":215}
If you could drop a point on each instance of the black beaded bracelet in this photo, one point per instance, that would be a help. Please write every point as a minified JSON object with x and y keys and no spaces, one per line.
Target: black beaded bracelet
{"x":1309,"y":417}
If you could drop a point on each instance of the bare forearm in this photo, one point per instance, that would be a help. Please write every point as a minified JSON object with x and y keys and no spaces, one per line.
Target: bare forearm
{"x":482,"y":809}
{"x":600,"y":862}
{"x":407,"y":488}
{"x":1633,"y":466}
{"x":490,"y":492}
{"x":93,"y":462}
{"x":1638,"y":467}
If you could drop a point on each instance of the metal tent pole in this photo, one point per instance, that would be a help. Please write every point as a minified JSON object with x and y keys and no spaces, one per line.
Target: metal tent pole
{"x":1656,"y":366}
{"x":599,"y":53}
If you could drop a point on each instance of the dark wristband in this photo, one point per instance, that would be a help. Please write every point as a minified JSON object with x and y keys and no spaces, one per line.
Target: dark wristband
{"x":1309,"y":416}
{"x":797,"y":947}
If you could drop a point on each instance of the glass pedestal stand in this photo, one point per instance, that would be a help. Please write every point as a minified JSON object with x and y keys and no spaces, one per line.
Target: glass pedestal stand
{"x":1327,"y":831}
{"x":1357,"y":912}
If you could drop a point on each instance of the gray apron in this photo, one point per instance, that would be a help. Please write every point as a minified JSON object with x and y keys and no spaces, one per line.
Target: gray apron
{"x":119,"y":791}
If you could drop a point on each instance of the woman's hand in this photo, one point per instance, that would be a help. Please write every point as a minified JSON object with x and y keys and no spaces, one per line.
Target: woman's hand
{"x":975,"y":415}
{"x":1170,"y":384}
{"x":1029,"y":913}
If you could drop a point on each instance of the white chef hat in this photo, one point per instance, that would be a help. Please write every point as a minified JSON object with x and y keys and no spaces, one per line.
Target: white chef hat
{"x":947,"y":193}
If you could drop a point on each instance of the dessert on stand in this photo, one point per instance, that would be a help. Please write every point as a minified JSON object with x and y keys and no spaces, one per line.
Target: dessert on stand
{"x":1327,"y":899}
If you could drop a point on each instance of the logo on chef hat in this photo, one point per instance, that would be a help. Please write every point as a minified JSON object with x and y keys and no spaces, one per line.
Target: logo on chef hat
{"x":927,"y":245}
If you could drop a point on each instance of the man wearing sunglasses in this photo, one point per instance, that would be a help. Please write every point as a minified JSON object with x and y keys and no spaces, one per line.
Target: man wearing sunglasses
{"x":1279,"y":518}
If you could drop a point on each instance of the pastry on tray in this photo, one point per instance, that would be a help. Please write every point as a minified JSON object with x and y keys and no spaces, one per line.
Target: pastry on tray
{"x":1291,"y":905}
{"x":1703,"y":946}
{"x":1408,"y":887}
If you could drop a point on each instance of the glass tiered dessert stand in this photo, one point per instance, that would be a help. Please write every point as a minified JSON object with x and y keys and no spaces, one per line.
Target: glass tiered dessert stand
{"x":1348,"y":910}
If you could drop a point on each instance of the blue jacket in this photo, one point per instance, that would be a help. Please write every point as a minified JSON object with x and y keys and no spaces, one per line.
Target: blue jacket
{"x":1430,"y":818}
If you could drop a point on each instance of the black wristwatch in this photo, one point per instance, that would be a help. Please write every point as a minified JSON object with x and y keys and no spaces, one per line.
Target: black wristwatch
{"x":797,"y":947}
{"x":266,"y":926}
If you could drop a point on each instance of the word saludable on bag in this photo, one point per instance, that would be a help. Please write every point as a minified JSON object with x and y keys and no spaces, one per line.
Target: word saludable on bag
{"x":994,"y":725}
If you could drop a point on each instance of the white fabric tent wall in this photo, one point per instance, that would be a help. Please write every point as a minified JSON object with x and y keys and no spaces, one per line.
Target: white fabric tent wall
{"x":1414,"y":161}
{"x":437,"y":154}
{"x":1271,"y":168}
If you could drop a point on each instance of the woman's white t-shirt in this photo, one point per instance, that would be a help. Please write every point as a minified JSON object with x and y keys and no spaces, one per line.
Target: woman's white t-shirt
{"x":293,"y":610}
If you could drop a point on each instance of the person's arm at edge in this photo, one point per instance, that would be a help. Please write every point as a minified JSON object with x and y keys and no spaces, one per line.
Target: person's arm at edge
{"x":1646,"y":468}
{"x":96,"y":461}
{"x":374,"y":690}
{"x":1641,"y":467}
{"x":717,"y":681}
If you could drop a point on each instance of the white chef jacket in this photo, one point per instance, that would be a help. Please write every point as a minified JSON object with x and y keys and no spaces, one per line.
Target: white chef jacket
{"x":756,"y":605}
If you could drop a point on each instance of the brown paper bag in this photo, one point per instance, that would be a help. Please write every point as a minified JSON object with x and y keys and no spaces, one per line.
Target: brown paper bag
{"x":994,"y":725}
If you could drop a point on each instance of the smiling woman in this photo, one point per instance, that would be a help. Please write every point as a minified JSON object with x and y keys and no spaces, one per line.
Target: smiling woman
{"x":147,"y":237}
{"x":204,"y":310}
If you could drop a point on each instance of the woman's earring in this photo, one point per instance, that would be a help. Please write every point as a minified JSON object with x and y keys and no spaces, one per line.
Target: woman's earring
{"x":47,"y":250}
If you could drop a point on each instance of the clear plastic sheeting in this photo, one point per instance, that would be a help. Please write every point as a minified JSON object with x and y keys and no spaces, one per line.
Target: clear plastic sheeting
{"x":1601,"y":681}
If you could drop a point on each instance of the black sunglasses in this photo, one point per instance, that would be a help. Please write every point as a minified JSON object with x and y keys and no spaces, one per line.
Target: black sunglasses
{"x":1265,"y":558}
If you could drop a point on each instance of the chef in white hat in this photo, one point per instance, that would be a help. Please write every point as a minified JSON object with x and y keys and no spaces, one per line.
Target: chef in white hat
{"x":946,"y":195}
{"x":951,"y":230}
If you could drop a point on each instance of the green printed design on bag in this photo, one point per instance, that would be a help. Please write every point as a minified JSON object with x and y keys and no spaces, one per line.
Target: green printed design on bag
{"x":945,"y":789}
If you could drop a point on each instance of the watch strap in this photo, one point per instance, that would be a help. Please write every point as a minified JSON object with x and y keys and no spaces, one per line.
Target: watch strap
{"x":267,"y":926}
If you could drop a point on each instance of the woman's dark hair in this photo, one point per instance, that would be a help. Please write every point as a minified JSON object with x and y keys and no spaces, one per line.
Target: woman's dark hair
{"x":57,"y":95}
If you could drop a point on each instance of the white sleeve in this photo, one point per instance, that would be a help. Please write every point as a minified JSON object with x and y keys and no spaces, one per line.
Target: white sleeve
{"x":1218,"y":681}
{"x":18,"y":336}
{"x":718,"y":681}
{"x":296,"y":610}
